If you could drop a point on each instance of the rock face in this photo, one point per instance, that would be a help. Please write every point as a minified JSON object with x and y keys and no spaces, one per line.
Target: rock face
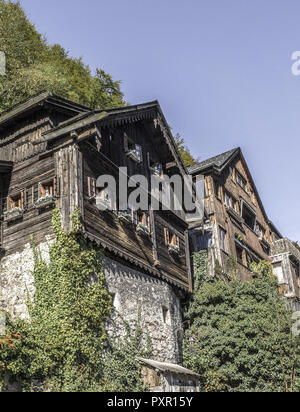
{"x":132,"y":291}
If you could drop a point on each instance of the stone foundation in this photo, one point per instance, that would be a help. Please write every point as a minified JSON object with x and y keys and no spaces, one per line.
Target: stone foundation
{"x":16,"y":280}
{"x":160,"y":308}
{"x":132,"y":291}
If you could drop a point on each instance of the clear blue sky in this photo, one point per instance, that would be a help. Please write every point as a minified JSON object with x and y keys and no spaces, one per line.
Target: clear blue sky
{"x":220,"y":69}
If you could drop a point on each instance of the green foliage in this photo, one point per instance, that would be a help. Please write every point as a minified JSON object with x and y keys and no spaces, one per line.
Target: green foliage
{"x":34,"y":66}
{"x":232,"y":268}
{"x":184,"y":151}
{"x":121,"y":371}
{"x":201,"y":276}
{"x":296,"y":244}
{"x":64,"y":347}
{"x":61,"y":346}
{"x":240,"y":336}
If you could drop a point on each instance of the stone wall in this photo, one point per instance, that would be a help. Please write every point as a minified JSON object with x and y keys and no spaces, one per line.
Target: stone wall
{"x":160,"y":308}
{"x":16,"y":279}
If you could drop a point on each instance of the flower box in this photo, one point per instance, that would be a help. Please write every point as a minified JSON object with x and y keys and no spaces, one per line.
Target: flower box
{"x":103,"y":204}
{"x":134,"y":155}
{"x":142,"y":229}
{"x":43,"y":202}
{"x":156,"y":170}
{"x":174,"y":249}
{"x":125,"y":217}
{"x":13,"y":214}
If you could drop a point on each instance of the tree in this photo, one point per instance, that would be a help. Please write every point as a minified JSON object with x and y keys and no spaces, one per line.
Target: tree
{"x":240,"y":336}
{"x":33,"y":66}
{"x":184,"y":151}
{"x":296,"y":244}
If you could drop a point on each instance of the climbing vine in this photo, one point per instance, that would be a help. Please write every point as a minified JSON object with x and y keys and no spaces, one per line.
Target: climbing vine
{"x":121,"y":371}
{"x":240,"y":337}
{"x":61,"y":348}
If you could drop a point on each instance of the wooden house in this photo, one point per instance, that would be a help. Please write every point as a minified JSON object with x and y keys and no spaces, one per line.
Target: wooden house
{"x":51,"y":153}
{"x":236,"y":224}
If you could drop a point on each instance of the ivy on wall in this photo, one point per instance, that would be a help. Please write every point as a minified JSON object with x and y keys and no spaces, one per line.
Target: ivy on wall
{"x":240,"y":336}
{"x":121,"y":370}
{"x":61,"y":348}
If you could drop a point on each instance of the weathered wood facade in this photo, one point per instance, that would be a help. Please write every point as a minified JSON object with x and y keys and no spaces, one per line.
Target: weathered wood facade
{"x":51,"y":153}
{"x":236,"y":223}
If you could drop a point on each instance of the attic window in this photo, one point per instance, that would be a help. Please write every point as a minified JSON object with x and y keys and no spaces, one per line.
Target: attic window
{"x":133,"y":150}
{"x":156,"y":168}
{"x":249,"y":216}
{"x":241,"y":181}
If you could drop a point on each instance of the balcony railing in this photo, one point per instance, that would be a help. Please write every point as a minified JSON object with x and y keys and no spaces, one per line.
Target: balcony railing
{"x":284,"y":246}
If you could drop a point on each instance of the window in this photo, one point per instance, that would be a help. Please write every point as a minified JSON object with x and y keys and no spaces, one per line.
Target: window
{"x":156,"y":168}
{"x":91,"y":187}
{"x":261,"y":233}
{"x":142,"y":221}
{"x":142,"y":218}
{"x":166,"y":315}
{"x":172,"y":240}
{"x":228,"y":200}
{"x":15,"y":202}
{"x":103,"y":199}
{"x":249,"y":216}
{"x":47,"y":189}
{"x":202,"y":242}
{"x":222,"y":234}
{"x":241,"y":181}
{"x":133,"y":150}
{"x":239,"y":254}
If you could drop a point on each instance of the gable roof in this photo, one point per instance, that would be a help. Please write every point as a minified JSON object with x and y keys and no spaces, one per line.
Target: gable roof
{"x":120,"y":116}
{"x":217,"y":162}
{"x":39,"y":100}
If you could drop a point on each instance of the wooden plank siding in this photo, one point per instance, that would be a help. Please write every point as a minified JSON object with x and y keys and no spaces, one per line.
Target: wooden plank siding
{"x":69,"y":161}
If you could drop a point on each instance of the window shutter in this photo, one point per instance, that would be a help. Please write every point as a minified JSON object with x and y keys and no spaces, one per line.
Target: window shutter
{"x":167,"y":236}
{"x":89,"y":186}
{"x":94,"y":187}
{"x":56,"y":187}
{"x":23,"y":202}
{"x":40,"y":191}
